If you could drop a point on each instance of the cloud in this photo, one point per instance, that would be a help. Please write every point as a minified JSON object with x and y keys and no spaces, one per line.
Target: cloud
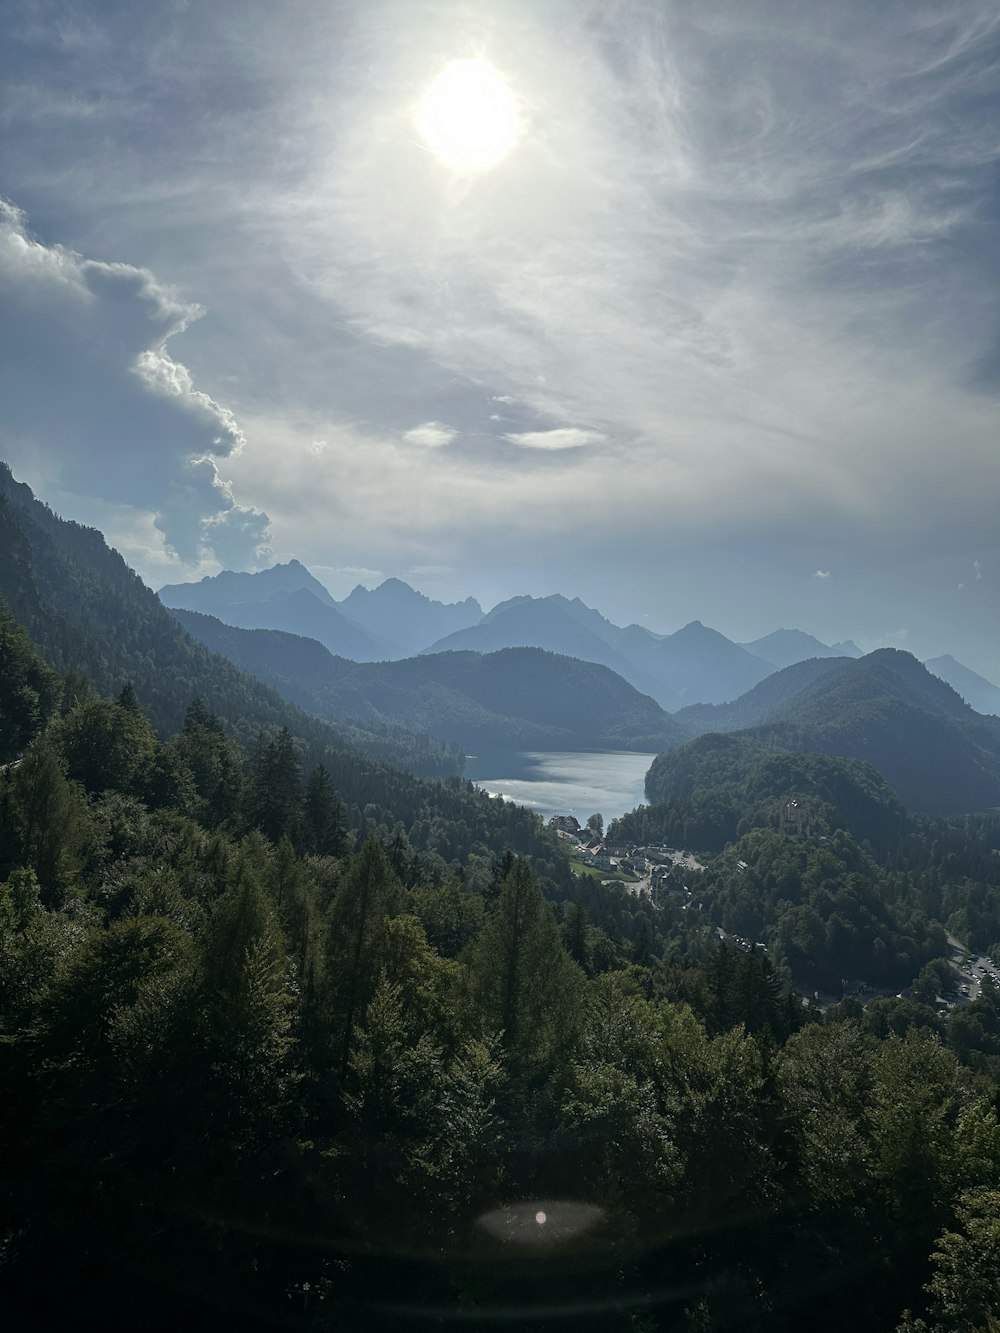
{"x":94,"y":400}
{"x":164,"y":376}
{"x":431,"y":435}
{"x":760,"y":257}
{"x":563,"y":437}
{"x":740,"y":267}
{"x":977,"y":569}
{"x":822,"y":574}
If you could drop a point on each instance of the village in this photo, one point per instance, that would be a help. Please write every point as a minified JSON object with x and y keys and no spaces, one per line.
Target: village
{"x":653,"y":871}
{"x":659,"y":873}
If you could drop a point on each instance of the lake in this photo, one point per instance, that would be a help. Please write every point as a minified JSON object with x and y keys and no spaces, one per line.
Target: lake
{"x":564,"y":783}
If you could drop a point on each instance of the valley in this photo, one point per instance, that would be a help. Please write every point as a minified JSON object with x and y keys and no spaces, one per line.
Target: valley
{"x":243,"y":877}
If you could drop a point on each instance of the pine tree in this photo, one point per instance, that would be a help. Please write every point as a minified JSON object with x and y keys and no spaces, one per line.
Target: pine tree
{"x":325,"y":832}
{"x":524,"y":984}
{"x":367,"y":895}
{"x":276,"y":790}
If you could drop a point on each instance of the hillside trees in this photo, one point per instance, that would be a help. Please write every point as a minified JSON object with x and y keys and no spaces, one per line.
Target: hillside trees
{"x":368,"y":894}
{"x":523,"y":983}
{"x":30,"y":691}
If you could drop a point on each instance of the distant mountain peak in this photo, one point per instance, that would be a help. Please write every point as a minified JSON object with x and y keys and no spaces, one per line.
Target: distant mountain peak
{"x":978,"y":692}
{"x":231,"y":587}
{"x":696,"y":630}
{"x":410,"y":619}
{"x":848,"y":648}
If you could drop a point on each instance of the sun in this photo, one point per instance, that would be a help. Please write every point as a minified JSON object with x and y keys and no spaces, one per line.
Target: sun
{"x":468,"y":116}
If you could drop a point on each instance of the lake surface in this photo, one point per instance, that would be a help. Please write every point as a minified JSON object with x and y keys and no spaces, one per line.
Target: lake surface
{"x":556,"y":783}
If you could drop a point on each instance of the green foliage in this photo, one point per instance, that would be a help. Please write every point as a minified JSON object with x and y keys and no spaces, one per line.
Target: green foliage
{"x":368,"y":894}
{"x":43,"y":820}
{"x":824,"y":907}
{"x":29,"y":690}
{"x":965,"y":1287}
{"x":715,"y":789}
{"x":248,"y":994}
{"x":107,"y":745}
{"x":524,"y":985}
{"x":449,"y":914}
{"x":323,"y":815}
{"x":825,"y":1079}
{"x":254,"y":1029}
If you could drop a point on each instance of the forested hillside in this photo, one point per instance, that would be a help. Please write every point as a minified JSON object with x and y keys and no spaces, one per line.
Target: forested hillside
{"x":936,"y":752}
{"x":713,"y":789}
{"x":517,"y":698}
{"x":97,"y":625}
{"x":264,"y":1069}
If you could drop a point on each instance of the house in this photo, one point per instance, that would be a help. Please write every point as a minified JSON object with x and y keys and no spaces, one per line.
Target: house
{"x":565,"y":823}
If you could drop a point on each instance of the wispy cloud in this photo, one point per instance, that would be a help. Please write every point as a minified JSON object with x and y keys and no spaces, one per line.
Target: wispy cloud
{"x":822,"y":574}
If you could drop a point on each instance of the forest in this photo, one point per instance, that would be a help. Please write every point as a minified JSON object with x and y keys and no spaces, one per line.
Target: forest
{"x":274,"y":1060}
{"x":292,"y":1038}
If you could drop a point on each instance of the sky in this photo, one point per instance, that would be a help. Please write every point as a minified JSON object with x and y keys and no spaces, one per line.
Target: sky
{"x":713,"y":334}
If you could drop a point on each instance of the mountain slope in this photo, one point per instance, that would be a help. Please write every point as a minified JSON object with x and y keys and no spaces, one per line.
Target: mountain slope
{"x":301,"y":612}
{"x":765,"y":701}
{"x":230,"y":588}
{"x":699,"y":665}
{"x":978,"y":692}
{"x":514,"y":698}
{"x":535,"y":622}
{"x":85,"y":610}
{"x":714,"y":789}
{"x":936,"y":752}
{"x":694,"y":664}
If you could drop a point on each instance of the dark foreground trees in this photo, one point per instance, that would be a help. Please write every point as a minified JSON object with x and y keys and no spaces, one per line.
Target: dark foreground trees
{"x":254,"y":1055}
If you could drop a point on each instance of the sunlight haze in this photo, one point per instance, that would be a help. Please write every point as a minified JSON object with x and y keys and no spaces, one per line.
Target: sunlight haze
{"x":688,"y":310}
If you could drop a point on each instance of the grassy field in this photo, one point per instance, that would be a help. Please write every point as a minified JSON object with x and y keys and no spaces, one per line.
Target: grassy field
{"x":592,"y":872}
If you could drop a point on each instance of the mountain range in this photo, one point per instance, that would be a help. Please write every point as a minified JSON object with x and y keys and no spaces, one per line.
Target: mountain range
{"x":389,"y":622}
{"x":89,"y":615}
{"x":85,"y":610}
{"x":696,"y":665}
{"x":394,"y":621}
{"x":515,"y":698}
{"x":787,"y":646}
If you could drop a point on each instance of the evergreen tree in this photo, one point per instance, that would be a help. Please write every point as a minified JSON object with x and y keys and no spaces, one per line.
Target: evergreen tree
{"x":325,"y":833}
{"x":524,"y":984}
{"x":43,"y":819}
{"x":368,"y":894}
{"x":276,"y":788}
{"x":248,"y":997}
